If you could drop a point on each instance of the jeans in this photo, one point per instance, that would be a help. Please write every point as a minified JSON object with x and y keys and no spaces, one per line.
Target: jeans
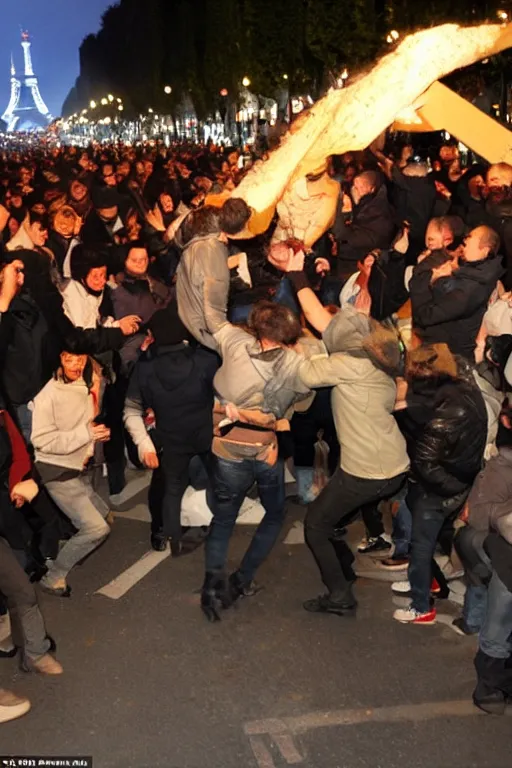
{"x":429,"y":514}
{"x":75,"y":499}
{"x":27,"y":624}
{"x":496,"y":634}
{"x":336,"y":506}
{"x":168,"y":484}
{"x":478,"y":571}
{"x":231,"y":480}
{"x":24,"y":415}
{"x":402,"y":530}
{"x":284,"y":295}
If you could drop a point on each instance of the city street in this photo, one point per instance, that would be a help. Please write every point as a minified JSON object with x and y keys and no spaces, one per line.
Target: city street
{"x":148,"y":682}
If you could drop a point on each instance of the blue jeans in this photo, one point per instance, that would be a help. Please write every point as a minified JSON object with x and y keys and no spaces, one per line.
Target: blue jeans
{"x":284,"y":295}
{"x":469,"y":544}
{"x":24,"y":415}
{"x":402,"y":530}
{"x":231,"y":480}
{"x":496,"y":633}
{"x":429,"y":513}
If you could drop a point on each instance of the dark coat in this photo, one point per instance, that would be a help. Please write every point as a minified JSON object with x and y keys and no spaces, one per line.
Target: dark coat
{"x":35,"y":330}
{"x":176,"y":381}
{"x":373,"y":225}
{"x":449,"y":448}
{"x":414,"y":199}
{"x":451,"y":310}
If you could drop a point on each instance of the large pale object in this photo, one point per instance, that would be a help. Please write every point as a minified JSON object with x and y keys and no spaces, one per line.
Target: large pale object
{"x":353,"y":117}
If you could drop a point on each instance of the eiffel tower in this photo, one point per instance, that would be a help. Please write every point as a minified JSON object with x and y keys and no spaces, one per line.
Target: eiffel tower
{"x":26,"y":110}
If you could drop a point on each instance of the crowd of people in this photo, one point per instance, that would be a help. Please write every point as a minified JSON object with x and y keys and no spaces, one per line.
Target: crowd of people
{"x":140,"y":324}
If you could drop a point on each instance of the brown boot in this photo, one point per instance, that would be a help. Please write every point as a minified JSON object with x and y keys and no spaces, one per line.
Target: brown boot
{"x":46,"y":665}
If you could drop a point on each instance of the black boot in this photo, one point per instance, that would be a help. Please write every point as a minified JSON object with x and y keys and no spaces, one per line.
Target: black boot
{"x":488,"y":694}
{"x":159,"y":541}
{"x":237,"y":588}
{"x":213,"y":595}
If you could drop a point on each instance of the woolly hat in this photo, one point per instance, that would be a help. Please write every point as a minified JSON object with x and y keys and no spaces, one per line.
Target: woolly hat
{"x":166,"y":326}
{"x":105,"y":197}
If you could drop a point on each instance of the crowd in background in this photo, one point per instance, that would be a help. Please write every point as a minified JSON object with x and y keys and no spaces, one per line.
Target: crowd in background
{"x":141,"y":324}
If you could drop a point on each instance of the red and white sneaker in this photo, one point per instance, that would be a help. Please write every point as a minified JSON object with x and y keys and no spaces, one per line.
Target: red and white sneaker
{"x":412,"y":616}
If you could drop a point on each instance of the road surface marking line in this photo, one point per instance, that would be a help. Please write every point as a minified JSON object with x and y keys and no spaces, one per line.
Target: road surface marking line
{"x":126,"y":580}
{"x":408,"y":712}
{"x":261,"y":753}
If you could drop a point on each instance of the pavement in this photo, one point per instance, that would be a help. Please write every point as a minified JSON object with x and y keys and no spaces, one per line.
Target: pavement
{"x":149,"y":683}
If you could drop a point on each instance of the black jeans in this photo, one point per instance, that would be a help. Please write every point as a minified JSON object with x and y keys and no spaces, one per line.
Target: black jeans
{"x":336,"y":506}
{"x":430,"y":515}
{"x":168,"y":484}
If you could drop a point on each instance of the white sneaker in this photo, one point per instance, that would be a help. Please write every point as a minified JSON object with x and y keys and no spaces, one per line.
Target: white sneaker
{"x":12,"y":706}
{"x":412,"y":616}
{"x":401,"y":587}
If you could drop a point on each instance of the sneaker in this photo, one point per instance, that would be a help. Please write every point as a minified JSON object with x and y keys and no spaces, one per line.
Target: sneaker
{"x":371,"y":544}
{"x":412,"y":616}
{"x":461,"y":628}
{"x":58,"y":588}
{"x":395,"y":563}
{"x":45,"y":665}
{"x":401,"y":588}
{"x":12,"y":706}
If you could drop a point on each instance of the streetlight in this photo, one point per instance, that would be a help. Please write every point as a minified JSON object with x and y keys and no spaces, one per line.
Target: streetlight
{"x":502,"y":15}
{"x":104,"y":101}
{"x":110,"y":98}
{"x":246,"y":82}
{"x":168,"y":89}
{"x":92,"y":105}
{"x":118,"y":100}
{"x":150,"y":110}
{"x":120,"y":107}
{"x":285,"y":77}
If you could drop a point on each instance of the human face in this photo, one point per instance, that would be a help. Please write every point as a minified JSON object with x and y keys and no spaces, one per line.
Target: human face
{"x":166,"y":203}
{"x":37,"y":234}
{"x":96,"y":278}
{"x":433,"y":237}
{"x":78,"y":191}
{"x":137,"y":262}
{"x":473,"y":249}
{"x":64,"y":224}
{"x":475,"y":187}
{"x":360,"y":188}
{"x":73,"y":365}
{"x":108,"y":214}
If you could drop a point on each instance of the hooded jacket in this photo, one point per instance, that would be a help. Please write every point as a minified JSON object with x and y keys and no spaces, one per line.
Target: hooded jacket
{"x":372,"y":226}
{"x":451,"y":310}
{"x":83,"y":307}
{"x":363,"y":399}
{"x":202,"y":287}
{"x":61,"y":425}
{"x":176,"y":382}
{"x":253,"y":379}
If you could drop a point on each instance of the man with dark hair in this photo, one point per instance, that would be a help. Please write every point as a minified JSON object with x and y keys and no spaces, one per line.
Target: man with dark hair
{"x":256,"y":385}
{"x":448,"y":304}
{"x":203,"y":273}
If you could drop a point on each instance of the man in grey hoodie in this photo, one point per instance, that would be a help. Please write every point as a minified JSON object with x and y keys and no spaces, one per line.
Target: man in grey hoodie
{"x":203,"y":274}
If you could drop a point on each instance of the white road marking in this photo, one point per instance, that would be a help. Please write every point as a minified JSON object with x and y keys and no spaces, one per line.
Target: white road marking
{"x":119,"y":586}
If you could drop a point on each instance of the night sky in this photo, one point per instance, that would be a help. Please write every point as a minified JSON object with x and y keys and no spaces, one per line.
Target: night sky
{"x":56,"y":27}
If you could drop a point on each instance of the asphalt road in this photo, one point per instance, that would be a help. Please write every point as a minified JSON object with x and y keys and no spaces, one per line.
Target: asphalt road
{"x":149,"y":683}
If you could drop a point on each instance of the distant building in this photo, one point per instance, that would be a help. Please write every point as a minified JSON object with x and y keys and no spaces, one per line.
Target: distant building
{"x":26,"y":110}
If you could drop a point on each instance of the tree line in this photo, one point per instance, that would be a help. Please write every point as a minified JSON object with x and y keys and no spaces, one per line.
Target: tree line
{"x":201,"y":48}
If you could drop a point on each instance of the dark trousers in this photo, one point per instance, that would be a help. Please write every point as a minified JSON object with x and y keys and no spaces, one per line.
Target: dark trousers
{"x":168,"y":484}
{"x":337,"y":506}
{"x":230,"y":482}
{"x":27,"y":624}
{"x":431,"y":514}
{"x":114,"y":450}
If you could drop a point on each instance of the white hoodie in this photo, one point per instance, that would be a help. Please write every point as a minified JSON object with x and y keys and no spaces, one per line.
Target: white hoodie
{"x":82,"y":308}
{"x":61,"y":424}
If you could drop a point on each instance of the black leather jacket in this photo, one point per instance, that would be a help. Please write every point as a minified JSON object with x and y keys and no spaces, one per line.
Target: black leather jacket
{"x":448,"y":452}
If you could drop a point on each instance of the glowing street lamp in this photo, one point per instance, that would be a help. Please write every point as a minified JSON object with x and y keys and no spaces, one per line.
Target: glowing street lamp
{"x":246,"y":82}
{"x":110,"y":98}
{"x":118,"y":100}
{"x":168,"y":89}
{"x":502,"y":15}
{"x":150,"y":110}
{"x":120,"y":107}
{"x":92,"y":105}
{"x":285,"y":77}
